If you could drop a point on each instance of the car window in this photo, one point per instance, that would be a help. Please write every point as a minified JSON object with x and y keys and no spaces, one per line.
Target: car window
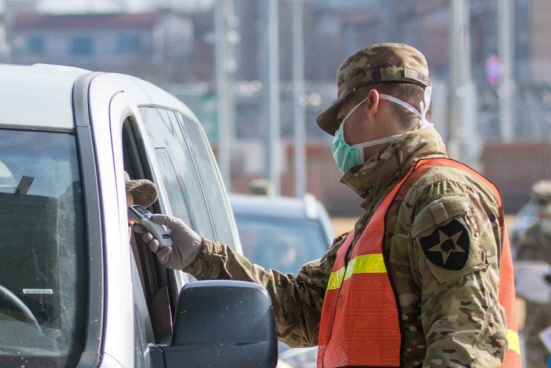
{"x":175,"y":183}
{"x":41,"y":242}
{"x":280,"y":243}
{"x":184,"y":189}
{"x":194,"y":186}
{"x":209,"y":176}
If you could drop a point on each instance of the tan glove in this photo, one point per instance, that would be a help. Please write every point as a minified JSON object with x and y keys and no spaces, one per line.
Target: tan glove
{"x":186,"y":243}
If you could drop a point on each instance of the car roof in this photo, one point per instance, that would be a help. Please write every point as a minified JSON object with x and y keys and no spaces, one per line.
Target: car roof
{"x":41,"y":95}
{"x":276,"y":206}
{"x":38,"y":95}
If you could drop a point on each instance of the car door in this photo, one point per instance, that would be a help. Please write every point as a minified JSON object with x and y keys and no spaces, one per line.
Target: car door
{"x":138,"y":290}
{"x":163,"y":142}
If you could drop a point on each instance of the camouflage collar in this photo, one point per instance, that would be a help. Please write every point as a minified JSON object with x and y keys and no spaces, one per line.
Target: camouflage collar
{"x":384,"y":169}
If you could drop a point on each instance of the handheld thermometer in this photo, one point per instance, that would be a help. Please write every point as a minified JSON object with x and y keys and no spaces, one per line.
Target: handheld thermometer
{"x":143,"y":217}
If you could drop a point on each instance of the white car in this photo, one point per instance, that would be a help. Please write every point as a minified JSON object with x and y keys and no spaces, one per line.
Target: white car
{"x":73,"y":292}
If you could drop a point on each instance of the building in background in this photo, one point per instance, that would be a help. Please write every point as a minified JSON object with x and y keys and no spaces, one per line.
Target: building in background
{"x":174,"y":47}
{"x":151,"y":45}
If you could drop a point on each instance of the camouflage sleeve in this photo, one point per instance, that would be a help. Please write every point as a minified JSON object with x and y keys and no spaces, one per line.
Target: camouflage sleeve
{"x":297,"y":300}
{"x":454,"y":254}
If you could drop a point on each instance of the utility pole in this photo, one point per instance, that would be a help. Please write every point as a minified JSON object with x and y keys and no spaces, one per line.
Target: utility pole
{"x":464,"y":141}
{"x":225,"y":68}
{"x":298,"y":91}
{"x":269,"y":75}
{"x":506,"y":83}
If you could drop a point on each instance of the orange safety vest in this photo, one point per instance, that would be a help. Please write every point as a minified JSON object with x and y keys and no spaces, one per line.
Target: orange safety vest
{"x":360,"y":324}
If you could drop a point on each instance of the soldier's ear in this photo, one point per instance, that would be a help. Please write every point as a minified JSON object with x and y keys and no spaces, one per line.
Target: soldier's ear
{"x":372,"y":102}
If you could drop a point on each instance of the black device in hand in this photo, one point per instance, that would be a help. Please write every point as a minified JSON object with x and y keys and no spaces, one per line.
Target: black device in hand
{"x":143,"y":217}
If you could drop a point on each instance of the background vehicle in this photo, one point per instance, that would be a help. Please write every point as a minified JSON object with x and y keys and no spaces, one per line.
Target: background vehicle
{"x":283,"y":233}
{"x":73,"y":292}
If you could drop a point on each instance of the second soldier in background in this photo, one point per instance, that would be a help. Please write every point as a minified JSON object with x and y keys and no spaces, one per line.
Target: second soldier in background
{"x":535,"y":245}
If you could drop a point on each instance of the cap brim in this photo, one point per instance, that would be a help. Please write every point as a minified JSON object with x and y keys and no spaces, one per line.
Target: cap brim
{"x":328,"y":120}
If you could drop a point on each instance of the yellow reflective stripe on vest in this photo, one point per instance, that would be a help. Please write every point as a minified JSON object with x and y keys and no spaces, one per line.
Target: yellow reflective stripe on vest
{"x":369,"y":263}
{"x":514,"y":344}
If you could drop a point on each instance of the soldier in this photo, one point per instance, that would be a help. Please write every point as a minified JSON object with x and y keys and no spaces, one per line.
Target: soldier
{"x":528,"y":249}
{"x":425,"y":277}
{"x":535,"y":245}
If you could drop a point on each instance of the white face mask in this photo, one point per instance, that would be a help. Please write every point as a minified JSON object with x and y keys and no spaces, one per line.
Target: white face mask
{"x":347,"y":156}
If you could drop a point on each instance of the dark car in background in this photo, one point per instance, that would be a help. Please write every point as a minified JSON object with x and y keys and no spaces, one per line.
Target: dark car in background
{"x":283,"y":233}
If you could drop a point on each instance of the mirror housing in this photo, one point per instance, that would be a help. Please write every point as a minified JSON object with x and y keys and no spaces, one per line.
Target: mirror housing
{"x":220,"y":323}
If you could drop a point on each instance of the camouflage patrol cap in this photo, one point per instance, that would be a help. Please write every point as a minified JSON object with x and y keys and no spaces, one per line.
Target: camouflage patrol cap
{"x":144,"y":191}
{"x":383,"y":62}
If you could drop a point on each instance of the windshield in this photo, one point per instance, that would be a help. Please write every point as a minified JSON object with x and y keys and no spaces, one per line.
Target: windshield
{"x":280,"y":243}
{"x":41,"y":235}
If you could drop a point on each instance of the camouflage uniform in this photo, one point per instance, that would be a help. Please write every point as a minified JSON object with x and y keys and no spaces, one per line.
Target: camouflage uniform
{"x":535,"y":245}
{"x":467,"y":329}
{"x":450,"y":313}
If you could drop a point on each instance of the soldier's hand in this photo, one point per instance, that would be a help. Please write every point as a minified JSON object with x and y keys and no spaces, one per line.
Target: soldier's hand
{"x":186,"y":243}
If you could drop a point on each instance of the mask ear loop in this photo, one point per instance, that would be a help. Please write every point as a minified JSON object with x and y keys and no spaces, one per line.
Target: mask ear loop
{"x":424,"y":123}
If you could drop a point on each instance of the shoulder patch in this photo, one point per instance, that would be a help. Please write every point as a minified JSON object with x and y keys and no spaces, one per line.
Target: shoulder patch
{"x":448,"y":246}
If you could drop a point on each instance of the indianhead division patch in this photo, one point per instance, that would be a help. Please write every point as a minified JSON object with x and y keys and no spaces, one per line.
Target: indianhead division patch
{"x":448,"y":246}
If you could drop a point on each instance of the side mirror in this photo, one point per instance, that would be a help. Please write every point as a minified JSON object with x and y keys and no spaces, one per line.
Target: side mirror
{"x":220,"y":323}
